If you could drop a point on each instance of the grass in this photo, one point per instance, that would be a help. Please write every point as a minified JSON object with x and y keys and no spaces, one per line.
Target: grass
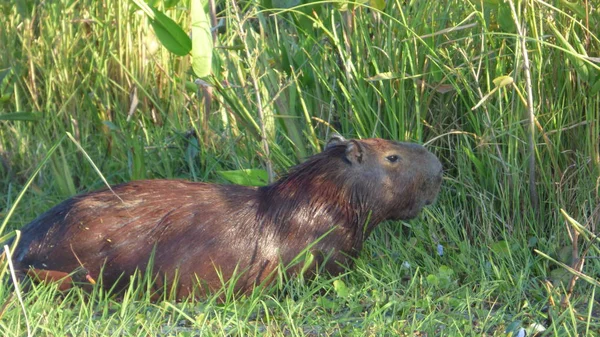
{"x":411,"y":71}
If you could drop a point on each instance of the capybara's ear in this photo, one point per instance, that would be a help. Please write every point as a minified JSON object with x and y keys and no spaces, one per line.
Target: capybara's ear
{"x":354,"y":152}
{"x":335,"y":139}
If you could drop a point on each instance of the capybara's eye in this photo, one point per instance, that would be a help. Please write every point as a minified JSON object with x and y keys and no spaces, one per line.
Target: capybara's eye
{"x":393,"y":158}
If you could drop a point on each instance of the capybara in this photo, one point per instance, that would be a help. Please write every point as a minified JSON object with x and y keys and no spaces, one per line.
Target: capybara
{"x":201,"y":234}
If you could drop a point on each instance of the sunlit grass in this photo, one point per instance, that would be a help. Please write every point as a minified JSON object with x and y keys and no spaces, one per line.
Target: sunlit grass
{"x":412,"y":71}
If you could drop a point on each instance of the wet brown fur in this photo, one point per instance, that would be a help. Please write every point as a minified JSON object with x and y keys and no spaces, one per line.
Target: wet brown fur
{"x":196,"y":229}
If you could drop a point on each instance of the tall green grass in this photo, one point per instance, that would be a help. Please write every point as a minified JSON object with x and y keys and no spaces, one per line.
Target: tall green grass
{"x":413,"y":70}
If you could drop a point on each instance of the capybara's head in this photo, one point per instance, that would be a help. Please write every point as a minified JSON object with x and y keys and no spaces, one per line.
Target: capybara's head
{"x":398,"y":178}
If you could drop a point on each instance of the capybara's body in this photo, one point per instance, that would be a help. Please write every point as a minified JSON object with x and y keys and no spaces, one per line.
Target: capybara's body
{"x":205,"y":233}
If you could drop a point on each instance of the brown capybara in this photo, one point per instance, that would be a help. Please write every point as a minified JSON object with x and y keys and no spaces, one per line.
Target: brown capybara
{"x":206,"y":233}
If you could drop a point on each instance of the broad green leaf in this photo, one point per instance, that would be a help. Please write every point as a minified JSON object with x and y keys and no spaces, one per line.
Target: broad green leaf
{"x":170,"y":34}
{"x":167,"y":31}
{"x":202,"y":44}
{"x":20,"y":116}
{"x":247,"y":177}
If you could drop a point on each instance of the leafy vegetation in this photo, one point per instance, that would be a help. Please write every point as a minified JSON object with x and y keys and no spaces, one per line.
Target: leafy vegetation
{"x":498,"y":253}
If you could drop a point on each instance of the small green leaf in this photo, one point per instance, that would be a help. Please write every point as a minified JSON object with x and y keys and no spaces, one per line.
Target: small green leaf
{"x":565,"y":254}
{"x":560,"y":275}
{"x":111,"y":126}
{"x":595,"y":88}
{"x":532,"y":242}
{"x":247,"y":177}
{"x":326,"y":303}
{"x":500,"y":247}
{"x":191,"y":87}
{"x":3,"y":74}
{"x":513,"y":327}
{"x":433,"y":280}
{"x":475,"y":161}
{"x":340,"y":288}
{"x":502,"y":81}
{"x":341,"y":6}
{"x":377,"y":4}
{"x":308,"y":262}
{"x":445,"y":271}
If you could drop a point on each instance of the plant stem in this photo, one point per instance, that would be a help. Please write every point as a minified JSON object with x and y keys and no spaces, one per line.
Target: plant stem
{"x":530,"y":113}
